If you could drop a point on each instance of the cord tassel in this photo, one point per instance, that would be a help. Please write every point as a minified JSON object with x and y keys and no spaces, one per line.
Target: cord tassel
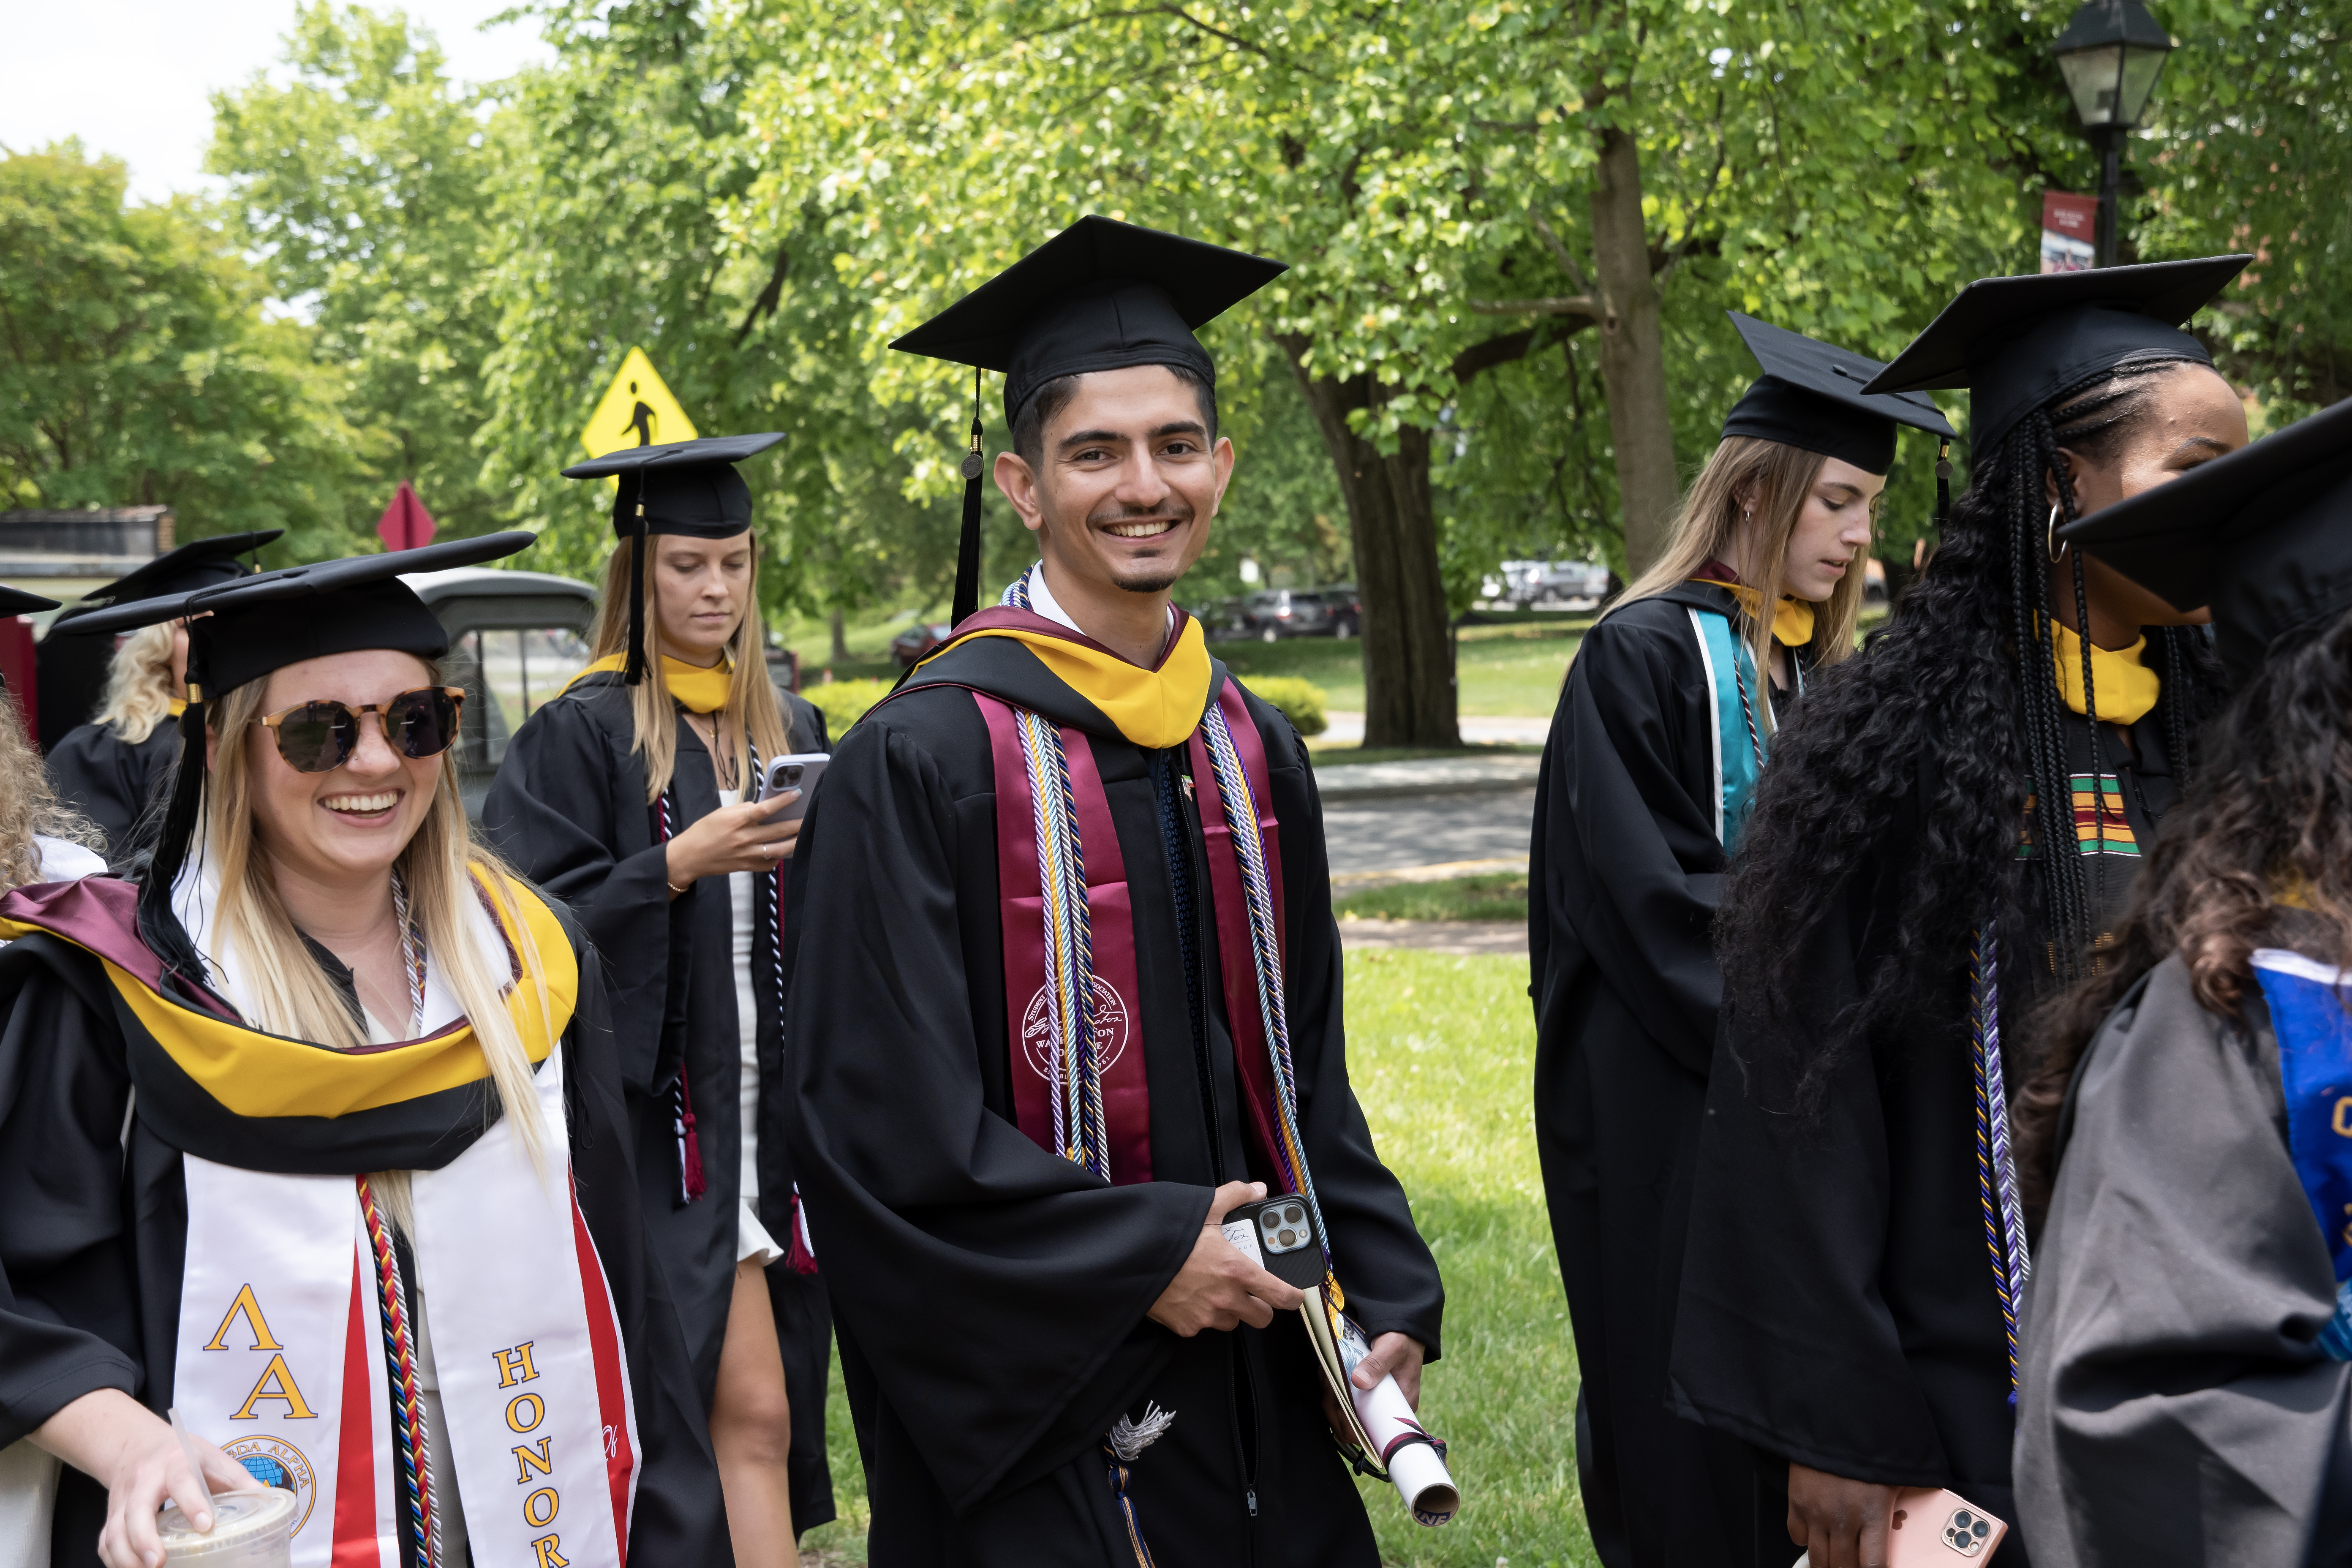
{"x":966,"y":588}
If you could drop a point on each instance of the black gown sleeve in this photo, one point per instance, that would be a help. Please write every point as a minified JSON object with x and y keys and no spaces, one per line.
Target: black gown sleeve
{"x":556,"y":811}
{"x":1783,"y":1334}
{"x":680,"y":1516}
{"x":69,"y":1318}
{"x":987,"y":1282}
{"x":107,"y":779}
{"x":1386,"y":1270}
{"x":1630,"y":869}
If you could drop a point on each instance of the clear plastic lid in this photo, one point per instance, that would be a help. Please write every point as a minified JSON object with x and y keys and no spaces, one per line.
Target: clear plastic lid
{"x":243,"y":1522}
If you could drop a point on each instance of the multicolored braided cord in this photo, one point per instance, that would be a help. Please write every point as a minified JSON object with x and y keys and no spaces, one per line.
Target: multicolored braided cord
{"x":411,"y":1444}
{"x":1996,"y":1165}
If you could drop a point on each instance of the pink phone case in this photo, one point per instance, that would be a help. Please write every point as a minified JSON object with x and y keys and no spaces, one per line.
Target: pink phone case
{"x":1939,"y":1529}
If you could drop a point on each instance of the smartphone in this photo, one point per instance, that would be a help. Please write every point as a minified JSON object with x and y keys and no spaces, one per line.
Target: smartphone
{"x":1278,"y":1234}
{"x":1933,"y":1528}
{"x":799,"y":772}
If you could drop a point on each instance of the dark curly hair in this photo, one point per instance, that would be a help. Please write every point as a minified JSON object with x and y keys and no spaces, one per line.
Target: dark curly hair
{"x":1961,"y":683}
{"x":2270,"y":816}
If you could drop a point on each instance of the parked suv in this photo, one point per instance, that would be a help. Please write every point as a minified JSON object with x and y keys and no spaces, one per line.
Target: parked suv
{"x":516,"y":638}
{"x":1274,"y":613}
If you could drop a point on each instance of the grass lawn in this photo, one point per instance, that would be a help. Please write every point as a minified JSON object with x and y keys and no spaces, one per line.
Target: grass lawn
{"x":1512,"y":668}
{"x":1441,"y":1050}
{"x":1499,"y":896}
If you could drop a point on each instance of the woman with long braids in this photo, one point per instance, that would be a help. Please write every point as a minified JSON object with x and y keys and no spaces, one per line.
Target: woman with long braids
{"x":1661,"y":729}
{"x":2187,"y":1389}
{"x":1948,"y":825}
{"x":634,"y":797}
{"x":309,"y":1141}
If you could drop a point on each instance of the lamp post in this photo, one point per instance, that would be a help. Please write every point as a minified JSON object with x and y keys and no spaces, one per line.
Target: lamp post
{"x":2111,"y":54}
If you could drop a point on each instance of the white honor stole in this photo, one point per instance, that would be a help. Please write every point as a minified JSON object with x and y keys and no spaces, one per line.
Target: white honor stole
{"x":282,"y":1352}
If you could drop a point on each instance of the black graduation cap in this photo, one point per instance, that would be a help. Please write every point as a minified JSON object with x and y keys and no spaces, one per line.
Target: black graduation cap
{"x":241,"y":630}
{"x":1810,"y":396}
{"x":687,"y":487}
{"x":2262,"y":535}
{"x":16,"y":602}
{"x":199,"y":564}
{"x":2018,"y":342}
{"x":1100,"y":295}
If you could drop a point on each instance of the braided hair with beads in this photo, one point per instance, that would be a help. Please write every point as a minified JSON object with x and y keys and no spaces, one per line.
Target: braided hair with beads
{"x":1955,"y":706}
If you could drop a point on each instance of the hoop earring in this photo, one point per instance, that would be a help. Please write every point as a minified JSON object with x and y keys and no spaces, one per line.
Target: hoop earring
{"x":2050,"y":545}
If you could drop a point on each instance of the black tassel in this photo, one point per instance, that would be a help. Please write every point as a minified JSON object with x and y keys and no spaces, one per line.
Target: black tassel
{"x":1943,"y":485}
{"x":635,"y":672}
{"x":158,"y":927}
{"x":966,"y":588}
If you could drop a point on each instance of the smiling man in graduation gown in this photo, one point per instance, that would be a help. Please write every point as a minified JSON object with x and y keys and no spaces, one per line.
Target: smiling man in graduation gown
{"x":1068,"y":981}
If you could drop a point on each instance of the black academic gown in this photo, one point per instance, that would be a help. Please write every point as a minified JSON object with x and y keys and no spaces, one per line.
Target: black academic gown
{"x":1838,"y":1305}
{"x":990,"y":1298}
{"x":1629,"y":870}
{"x":109,"y":780}
{"x":568,"y":809}
{"x":94,"y":1215}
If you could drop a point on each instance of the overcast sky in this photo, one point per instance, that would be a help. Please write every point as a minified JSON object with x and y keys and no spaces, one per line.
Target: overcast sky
{"x":130,"y":76}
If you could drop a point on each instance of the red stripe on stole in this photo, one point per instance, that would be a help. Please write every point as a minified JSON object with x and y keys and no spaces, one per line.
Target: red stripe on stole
{"x":1238,"y":967}
{"x":355,"y":1544}
{"x":1126,"y":1094}
{"x":611,"y":1394}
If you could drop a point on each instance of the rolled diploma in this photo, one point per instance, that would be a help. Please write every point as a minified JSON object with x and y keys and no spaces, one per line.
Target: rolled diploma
{"x":1416,"y":1468}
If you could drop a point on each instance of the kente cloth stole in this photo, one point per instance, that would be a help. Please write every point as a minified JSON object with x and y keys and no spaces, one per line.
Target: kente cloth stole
{"x":2315,"y":1048}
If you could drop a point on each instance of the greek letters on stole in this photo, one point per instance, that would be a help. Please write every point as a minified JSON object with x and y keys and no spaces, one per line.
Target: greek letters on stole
{"x":280,"y":1355}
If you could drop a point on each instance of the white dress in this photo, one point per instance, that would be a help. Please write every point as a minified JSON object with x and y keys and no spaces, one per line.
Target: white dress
{"x":753,"y":1242}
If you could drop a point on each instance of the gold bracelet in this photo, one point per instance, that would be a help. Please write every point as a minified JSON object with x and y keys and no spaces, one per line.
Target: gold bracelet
{"x":674,"y":887}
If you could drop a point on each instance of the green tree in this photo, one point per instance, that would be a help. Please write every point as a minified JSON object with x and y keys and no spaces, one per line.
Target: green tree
{"x":137,"y":366}
{"x":358,"y":183}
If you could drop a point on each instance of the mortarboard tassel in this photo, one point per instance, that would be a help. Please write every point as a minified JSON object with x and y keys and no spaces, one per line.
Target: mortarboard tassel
{"x":967,"y":586}
{"x":158,"y":927}
{"x":635,"y":672}
{"x":1943,"y":485}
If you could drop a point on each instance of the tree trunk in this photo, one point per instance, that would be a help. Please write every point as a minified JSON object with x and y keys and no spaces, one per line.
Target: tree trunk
{"x":1409,"y":694}
{"x":840,"y":640}
{"x":1633,"y":353}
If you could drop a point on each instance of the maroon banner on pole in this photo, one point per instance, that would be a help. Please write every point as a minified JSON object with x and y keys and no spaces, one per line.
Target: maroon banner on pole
{"x":2070,"y":232}
{"x":405,"y":524}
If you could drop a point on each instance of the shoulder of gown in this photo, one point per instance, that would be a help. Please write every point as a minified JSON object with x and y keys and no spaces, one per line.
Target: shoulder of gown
{"x":2174,"y":1404}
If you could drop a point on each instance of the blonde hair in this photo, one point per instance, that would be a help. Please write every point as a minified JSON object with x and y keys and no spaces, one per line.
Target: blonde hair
{"x":444,"y":871}
{"x":139,"y":688}
{"x":1747,"y":473}
{"x":29,"y":806}
{"x":751,"y":696}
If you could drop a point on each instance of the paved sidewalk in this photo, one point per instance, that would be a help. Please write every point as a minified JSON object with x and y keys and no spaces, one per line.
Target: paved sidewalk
{"x":1348,"y":729}
{"x":1427,"y":776}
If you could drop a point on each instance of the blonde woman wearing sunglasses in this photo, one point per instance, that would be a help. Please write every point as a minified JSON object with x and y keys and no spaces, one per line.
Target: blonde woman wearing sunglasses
{"x":296,"y":1141}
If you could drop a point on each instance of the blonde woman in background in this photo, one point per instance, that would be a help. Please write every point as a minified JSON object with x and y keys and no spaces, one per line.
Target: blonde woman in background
{"x":113,"y":766}
{"x":634,"y":797}
{"x":1662,"y":727}
{"x":350,"y":1225}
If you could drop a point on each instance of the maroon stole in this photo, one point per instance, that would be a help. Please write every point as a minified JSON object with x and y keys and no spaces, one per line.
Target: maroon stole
{"x":1126,"y":1100}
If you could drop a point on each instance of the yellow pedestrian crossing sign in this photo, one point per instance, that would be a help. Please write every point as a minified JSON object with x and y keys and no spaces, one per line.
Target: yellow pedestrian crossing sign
{"x":638,"y":410}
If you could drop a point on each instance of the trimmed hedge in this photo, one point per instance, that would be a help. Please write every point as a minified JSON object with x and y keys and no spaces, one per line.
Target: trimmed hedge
{"x":845,"y":702}
{"x":1301,"y":701}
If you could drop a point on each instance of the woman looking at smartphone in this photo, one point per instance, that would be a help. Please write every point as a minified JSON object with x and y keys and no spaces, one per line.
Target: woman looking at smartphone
{"x":1948,"y":829}
{"x":634,"y":797}
{"x":309,"y":1138}
{"x":1661,"y":729}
